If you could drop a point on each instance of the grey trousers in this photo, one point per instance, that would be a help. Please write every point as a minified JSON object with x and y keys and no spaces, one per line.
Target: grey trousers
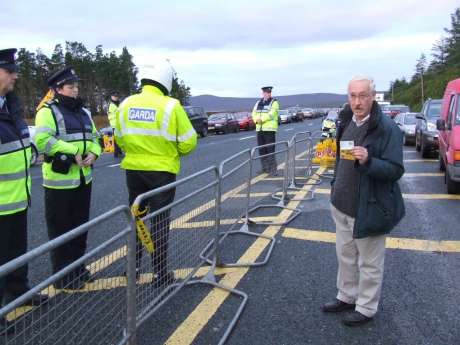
{"x":361,"y":261}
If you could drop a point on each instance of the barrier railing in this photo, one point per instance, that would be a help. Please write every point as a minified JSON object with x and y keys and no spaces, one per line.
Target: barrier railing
{"x":69,"y":316}
{"x":284,"y":151}
{"x":176,"y":258}
{"x":234,"y":209}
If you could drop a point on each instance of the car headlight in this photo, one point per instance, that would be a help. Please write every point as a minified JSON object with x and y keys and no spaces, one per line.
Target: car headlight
{"x":431,"y":127}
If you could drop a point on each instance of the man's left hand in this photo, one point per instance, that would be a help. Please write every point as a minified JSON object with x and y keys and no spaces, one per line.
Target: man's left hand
{"x":89,"y":160}
{"x":360,"y":153}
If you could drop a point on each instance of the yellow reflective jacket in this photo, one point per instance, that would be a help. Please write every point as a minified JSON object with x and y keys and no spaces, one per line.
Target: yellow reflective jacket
{"x":62,"y":130}
{"x":15,"y":155}
{"x":154,"y":131}
{"x":112,"y":114}
{"x":268,"y":115}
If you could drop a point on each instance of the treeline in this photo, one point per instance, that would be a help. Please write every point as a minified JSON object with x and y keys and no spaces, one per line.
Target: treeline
{"x":430,"y":79}
{"x":100,"y":72}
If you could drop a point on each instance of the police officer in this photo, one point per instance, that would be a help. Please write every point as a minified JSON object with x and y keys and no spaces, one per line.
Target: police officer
{"x":15,"y":183}
{"x":111,"y":113}
{"x":154,"y":131}
{"x":67,"y":135}
{"x":265,"y":115}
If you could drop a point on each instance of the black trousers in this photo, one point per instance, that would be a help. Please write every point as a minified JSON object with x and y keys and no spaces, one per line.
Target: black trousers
{"x":116,"y":149}
{"x":13,"y":243}
{"x":65,"y":209}
{"x":264,"y":138}
{"x":139,"y":182}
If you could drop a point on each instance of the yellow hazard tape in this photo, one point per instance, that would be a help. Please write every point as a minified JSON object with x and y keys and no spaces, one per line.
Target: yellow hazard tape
{"x":142,"y":232}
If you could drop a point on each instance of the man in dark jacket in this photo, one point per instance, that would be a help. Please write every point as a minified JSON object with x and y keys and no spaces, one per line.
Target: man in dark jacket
{"x":366,"y":202}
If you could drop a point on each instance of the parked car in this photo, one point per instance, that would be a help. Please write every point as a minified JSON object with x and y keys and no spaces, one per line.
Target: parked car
{"x":394,"y":109}
{"x":328,"y":126}
{"x":33,"y":146}
{"x":223,"y":123}
{"x":285,"y":116}
{"x":199,"y":119}
{"x":426,"y":134}
{"x":307,"y":113}
{"x":406,"y":123}
{"x":449,"y":136}
{"x":245,"y":121}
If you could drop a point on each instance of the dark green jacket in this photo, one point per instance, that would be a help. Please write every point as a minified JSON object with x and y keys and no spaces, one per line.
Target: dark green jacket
{"x":381,"y":205}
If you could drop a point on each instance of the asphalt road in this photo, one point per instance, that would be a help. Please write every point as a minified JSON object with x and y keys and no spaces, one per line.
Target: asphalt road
{"x":420,"y":296}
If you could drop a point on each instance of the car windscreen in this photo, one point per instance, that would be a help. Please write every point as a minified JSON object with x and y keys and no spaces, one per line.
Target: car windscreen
{"x":434,"y":110}
{"x":241,"y":116}
{"x":410,"y":119}
{"x":217,"y":117}
{"x":284,"y":112}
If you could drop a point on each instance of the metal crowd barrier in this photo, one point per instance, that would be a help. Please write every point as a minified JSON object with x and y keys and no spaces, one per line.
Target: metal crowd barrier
{"x":178,"y":245}
{"x":101,"y":315}
{"x":234,"y":206}
{"x":284,"y":151}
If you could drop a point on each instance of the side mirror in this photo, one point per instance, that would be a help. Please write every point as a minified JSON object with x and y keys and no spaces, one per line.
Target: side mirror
{"x":440,"y":125}
{"x":419,"y":116}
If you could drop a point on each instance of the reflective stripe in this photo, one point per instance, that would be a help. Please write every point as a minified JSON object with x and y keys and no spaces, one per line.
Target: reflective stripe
{"x":89,"y":177}
{"x":49,"y":144}
{"x":13,"y":206}
{"x":167,"y":114}
{"x":59,"y":119}
{"x":186,"y":136}
{"x":61,"y":183}
{"x":75,"y":136}
{"x":45,"y":130}
{"x":13,"y":176}
{"x":14,"y":145}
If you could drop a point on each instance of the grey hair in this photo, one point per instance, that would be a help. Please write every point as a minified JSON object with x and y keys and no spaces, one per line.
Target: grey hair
{"x":364,"y":78}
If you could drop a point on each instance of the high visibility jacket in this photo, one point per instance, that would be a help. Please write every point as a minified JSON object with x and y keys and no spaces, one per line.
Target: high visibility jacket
{"x":15,"y":153}
{"x":154,"y":131}
{"x":62,"y":130}
{"x":268,"y":114}
{"x":112,"y":114}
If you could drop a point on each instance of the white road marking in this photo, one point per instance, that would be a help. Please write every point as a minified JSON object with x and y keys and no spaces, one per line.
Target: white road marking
{"x":289,"y":129}
{"x":244,"y":138}
{"x":114,"y":165}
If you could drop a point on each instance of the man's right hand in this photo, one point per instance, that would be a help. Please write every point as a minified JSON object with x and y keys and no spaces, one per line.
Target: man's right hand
{"x":79,"y":160}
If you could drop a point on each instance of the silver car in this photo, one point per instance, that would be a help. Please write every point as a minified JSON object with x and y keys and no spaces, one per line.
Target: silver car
{"x":406,"y":123}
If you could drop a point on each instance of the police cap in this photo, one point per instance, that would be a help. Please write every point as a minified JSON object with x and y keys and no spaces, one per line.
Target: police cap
{"x":7,"y":60}
{"x":63,"y":76}
{"x":267,"y":88}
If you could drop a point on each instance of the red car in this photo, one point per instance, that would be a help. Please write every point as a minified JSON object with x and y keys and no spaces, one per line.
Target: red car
{"x":245,"y":121}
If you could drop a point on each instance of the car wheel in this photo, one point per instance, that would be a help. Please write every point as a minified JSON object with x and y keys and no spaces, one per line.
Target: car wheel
{"x":442,"y":165}
{"x":417,"y":143}
{"x":204,"y":131}
{"x":452,"y":186}
{"x":34,"y":156}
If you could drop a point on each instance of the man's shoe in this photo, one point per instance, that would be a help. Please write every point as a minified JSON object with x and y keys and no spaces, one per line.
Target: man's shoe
{"x":355,"y":318}
{"x":337,"y":306}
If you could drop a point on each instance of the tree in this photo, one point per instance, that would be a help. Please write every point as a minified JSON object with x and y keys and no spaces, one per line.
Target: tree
{"x":420,"y":68}
{"x":439,"y":54}
{"x":453,"y":40}
{"x":180,"y":91}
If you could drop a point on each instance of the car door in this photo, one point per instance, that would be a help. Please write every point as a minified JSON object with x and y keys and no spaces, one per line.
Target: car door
{"x":445,"y":135}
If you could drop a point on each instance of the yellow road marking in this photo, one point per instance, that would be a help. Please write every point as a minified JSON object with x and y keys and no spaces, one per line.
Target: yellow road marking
{"x":192,"y":326}
{"x":420,"y":160}
{"x":391,"y":242}
{"x":422,"y":174}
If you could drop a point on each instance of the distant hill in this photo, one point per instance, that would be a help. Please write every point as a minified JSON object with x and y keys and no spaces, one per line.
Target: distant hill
{"x":314,"y":100}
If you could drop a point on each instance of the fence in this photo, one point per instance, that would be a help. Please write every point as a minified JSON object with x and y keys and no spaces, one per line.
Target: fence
{"x":131,"y":284}
{"x":178,"y":245}
{"x":99,"y":316}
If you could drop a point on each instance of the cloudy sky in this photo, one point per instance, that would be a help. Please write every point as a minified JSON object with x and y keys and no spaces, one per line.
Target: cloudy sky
{"x":231,"y":48}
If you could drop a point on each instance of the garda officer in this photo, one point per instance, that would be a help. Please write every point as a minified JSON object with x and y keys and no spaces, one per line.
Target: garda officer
{"x":154,"y":131}
{"x":265,"y":115}
{"x":111,"y":113}
{"x":67,"y":135}
{"x":15,"y":182}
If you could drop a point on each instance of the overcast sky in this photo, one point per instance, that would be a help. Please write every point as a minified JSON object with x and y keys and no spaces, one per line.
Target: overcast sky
{"x":231,"y":48}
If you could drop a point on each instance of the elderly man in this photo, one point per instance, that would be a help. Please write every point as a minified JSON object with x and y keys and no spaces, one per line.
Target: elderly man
{"x":366,"y":202}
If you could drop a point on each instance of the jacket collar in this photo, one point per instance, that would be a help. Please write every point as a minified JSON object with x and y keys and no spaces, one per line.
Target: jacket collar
{"x":346,"y":115}
{"x":152,"y":89}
